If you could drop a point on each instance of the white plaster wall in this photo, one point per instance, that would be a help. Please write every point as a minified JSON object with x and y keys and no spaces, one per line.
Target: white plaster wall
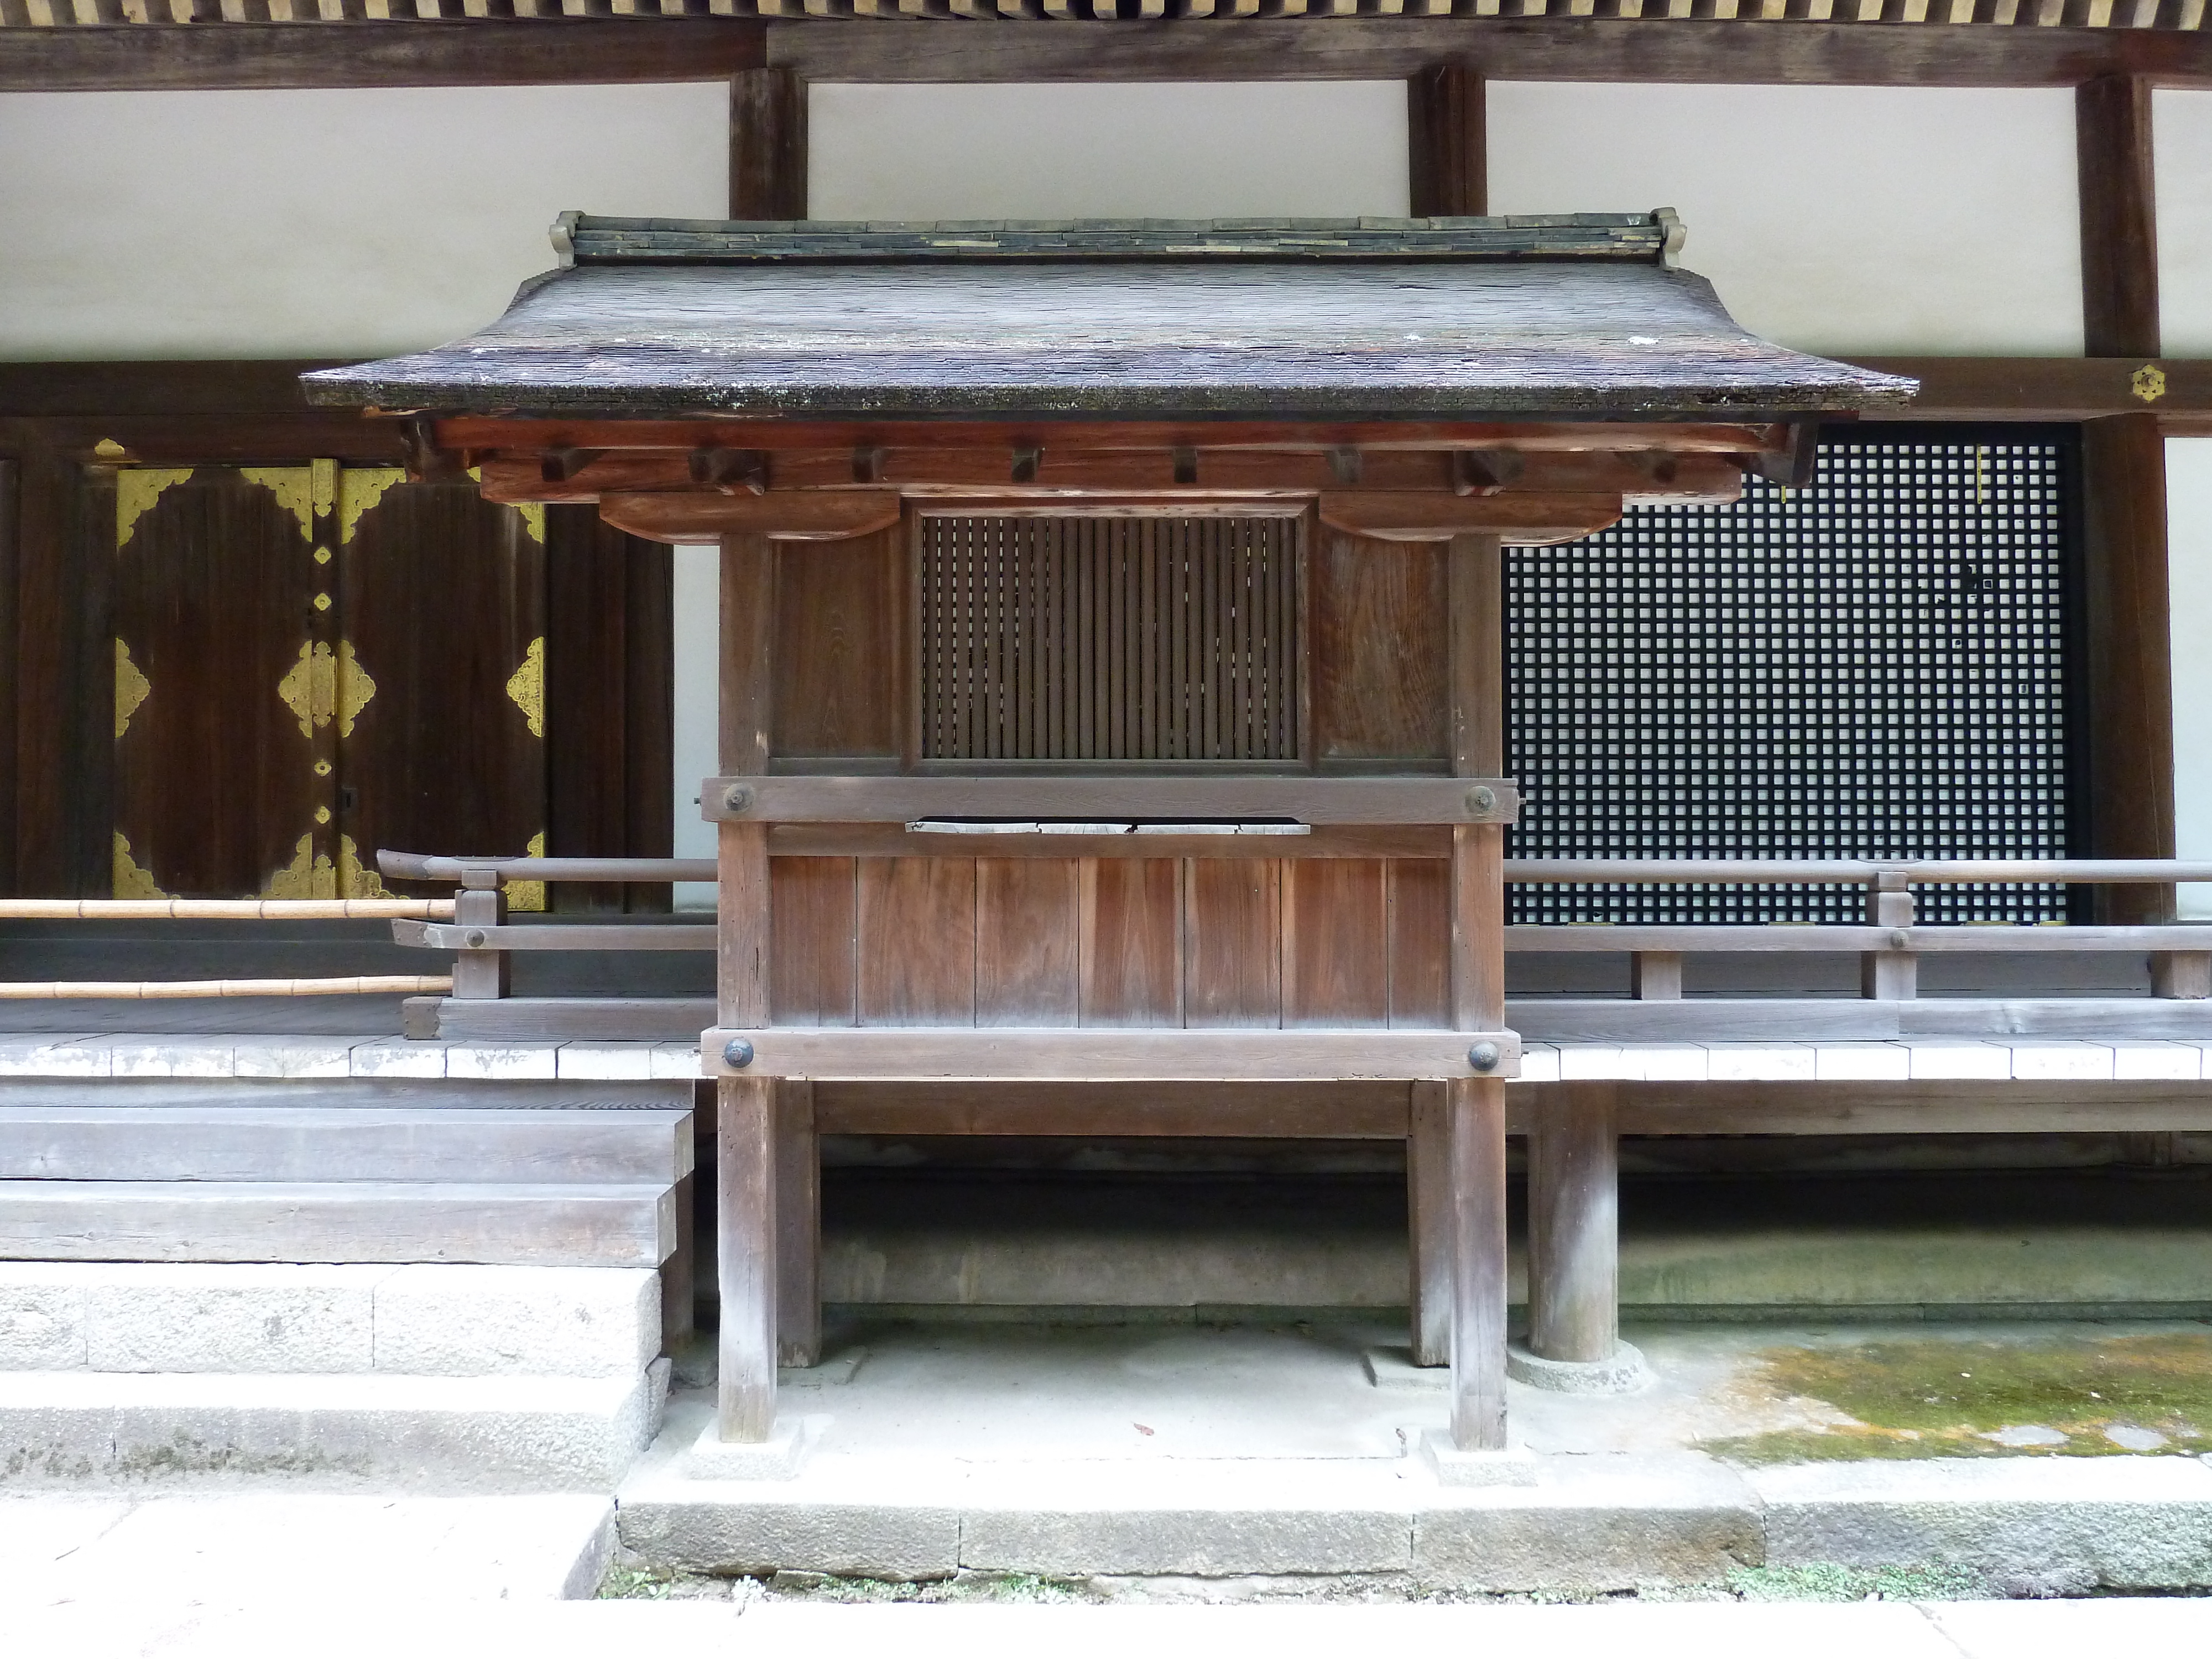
{"x":319,"y":224}
{"x":2189,"y":565}
{"x":1151,"y":150}
{"x":698,"y":587}
{"x":1874,"y":220}
{"x":2181,"y":135}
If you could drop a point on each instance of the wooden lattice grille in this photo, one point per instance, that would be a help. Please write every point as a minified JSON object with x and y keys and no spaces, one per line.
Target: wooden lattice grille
{"x":1093,"y":639}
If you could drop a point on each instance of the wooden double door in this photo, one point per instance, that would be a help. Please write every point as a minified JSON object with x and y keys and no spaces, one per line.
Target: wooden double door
{"x":314,"y":661}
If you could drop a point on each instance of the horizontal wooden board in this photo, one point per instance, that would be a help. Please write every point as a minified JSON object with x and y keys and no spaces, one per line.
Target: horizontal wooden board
{"x":1995,"y":1107}
{"x":558,"y":936}
{"x":342,"y":1144}
{"x":1724,"y":1019}
{"x":514,"y":1223}
{"x":1335,"y":840}
{"x":1094,"y":1056}
{"x":1335,"y":1111}
{"x":1121,"y":798}
{"x":609,"y":1019}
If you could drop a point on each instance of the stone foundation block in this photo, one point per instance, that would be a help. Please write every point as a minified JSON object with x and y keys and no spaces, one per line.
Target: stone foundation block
{"x":229,"y":1317}
{"x":448,"y":1319}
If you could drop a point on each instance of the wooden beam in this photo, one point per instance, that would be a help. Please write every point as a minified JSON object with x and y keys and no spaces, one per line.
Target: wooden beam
{"x":2128,"y":722}
{"x":2178,"y":390}
{"x":706,"y":518}
{"x":1136,"y":1054}
{"x":1682,"y":51}
{"x":745,"y":1257}
{"x":767,"y":144}
{"x":1430,"y":1223}
{"x":2119,"y":221}
{"x":1449,"y":170}
{"x":459,"y":52}
{"x":1523,"y":518}
{"x":1267,"y":1112}
{"x":1122,"y":797}
{"x":1477,"y":1106}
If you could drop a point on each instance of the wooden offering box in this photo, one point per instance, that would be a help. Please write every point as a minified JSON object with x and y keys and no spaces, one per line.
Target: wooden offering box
{"x":1111,"y":661}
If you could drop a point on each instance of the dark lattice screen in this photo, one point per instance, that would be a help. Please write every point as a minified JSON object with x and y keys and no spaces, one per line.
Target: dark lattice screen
{"x":1109,"y":639}
{"x":1870,"y":667}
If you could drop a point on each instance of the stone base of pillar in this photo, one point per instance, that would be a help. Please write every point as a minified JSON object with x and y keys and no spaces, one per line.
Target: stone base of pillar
{"x":1625,"y":1372}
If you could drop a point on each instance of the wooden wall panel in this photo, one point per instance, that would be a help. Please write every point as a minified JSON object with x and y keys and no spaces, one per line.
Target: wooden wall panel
{"x":1232,"y":942}
{"x":1420,"y":892}
{"x":1336,"y":943}
{"x":838,"y":633}
{"x":1027,"y":927}
{"x":609,"y":704}
{"x":215,"y":583}
{"x":767,"y":144}
{"x":917,"y":942}
{"x":2118,"y":193}
{"x":812,"y":961}
{"x":11,"y":507}
{"x":1132,"y":945}
{"x":443,"y":602}
{"x":1379,"y":657}
{"x":1447,"y":142}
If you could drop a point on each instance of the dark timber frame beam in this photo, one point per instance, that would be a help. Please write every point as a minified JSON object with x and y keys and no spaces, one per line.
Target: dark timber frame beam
{"x":2127,"y":716}
{"x":1449,"y":142}
{"x":504,"y":51}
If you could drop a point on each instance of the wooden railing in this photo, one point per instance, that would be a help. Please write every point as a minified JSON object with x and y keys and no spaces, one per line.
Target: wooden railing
{"x":1888,"y":943}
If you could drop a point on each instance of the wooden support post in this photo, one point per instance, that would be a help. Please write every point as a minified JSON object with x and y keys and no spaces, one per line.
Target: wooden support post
{"x":1655,"y":976}
{"x":798,"y":1226}
{"x":1574,"y":1226}
{"x":2181,"y":976}
{"x":1450,"y":170}
{"x":1889,"y":976}
{"x":480,"y":903}
{"x":767,"y":144}
{"x":2129,"y":715}
{"x":679,"y":1291}
{"x":745,"y":1212}
{"x":1429,"y":1202}
{"x":1476,"y":1106}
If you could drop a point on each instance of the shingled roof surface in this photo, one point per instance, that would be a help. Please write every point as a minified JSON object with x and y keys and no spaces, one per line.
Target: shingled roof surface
{"x":1577,"y":314}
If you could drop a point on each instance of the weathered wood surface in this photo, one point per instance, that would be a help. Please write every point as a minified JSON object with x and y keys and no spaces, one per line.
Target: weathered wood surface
{"x":1028,"y":933}
{"x":1448,"y":140}
{"x":1399,"y":842}
{"x":1326,"y":1111}
{"x":1477,"y":1112}
{"x":1136,"y":1054}
{"x":558,"y":936}
{"x":1317,"y":339}
{"x":1966,"y":1106}
{"x":704,"y":518}
{"x":767,"y":144}
{"x":1727,"y":1020}
{"x":1431,"y":1224}
{"x":612,"y":1020}
{"x":1336,"y":944}
{"x":1377,"y":661}
{"x":1125,"y":798}
{"x":508,"y":1222}
{"x":2117,"y":191}
{"x":1526,"y":519}
{"x":1843,"y":938}
{"x":222,"y":1142}
{"x":746,"y":1269}
{"x":814,"y":913}
{"x":798,"y":1226}
{"x":839,"y":679}
{"x":1574,"y":1224}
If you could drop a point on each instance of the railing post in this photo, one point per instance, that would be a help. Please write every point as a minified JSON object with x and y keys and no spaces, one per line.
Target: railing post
{"x":1891,"y":975}
{"x":480,"y":903}
{"x":1655,"y":975}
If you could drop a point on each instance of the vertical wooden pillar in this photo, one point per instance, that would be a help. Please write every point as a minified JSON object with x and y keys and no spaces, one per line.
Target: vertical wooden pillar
{"x":745,"y":1219}
{"x":1435,"y":1237}
{"x":1450,"y":170}
{"x":798,"y":1226}
{"x":1574,"y":1226}
{"x":767,"y":144}
{"x":2128,"y":725}
{"x":1475,"y":598}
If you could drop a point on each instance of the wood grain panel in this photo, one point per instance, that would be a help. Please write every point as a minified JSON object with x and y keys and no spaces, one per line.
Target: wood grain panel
{"x":917,"y":941}
{"x":1027,"y":928}
{"x":1132,"y":953}
{"x":1336,"y":943}
{"x":2120,"y":217}
{"x":1448,"y":141}
{"x":1379,"y":649}
{"x":1232,"y":942}
{"x":1420,"y":941}
{"x":837,"y":647}
{"x":812,"y":966}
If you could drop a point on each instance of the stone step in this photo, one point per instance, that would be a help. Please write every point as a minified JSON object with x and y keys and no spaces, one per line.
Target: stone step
{"x":544,"y":1224}
{"x":441,"y":1320}
{"x":491,"y":1433}
{"x":229,"y":1141}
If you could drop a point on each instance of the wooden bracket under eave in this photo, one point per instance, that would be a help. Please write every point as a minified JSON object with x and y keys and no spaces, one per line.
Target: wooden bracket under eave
{"x":1527,"y":519}
{"x":686,"y":518}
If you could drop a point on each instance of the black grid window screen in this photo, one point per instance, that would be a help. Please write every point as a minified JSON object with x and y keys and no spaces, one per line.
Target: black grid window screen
{"x":1870,"y":667}
{"x":1098,"y":639}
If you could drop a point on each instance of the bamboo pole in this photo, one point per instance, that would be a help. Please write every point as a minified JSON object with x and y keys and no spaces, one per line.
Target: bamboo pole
{"x":156,"y":990}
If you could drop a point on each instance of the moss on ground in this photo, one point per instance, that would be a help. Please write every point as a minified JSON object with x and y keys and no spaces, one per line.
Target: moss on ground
{"x":2088,"y":1397}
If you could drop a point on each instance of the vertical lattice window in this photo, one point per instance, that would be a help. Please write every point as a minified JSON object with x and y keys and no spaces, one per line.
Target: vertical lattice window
{"x":1095,"y":639}
{"x":1872,"y":666}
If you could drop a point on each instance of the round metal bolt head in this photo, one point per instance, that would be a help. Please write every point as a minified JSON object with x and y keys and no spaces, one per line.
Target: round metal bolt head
{"x":475,"y":938}
{"x":736,"y":798}
{"x":739,"y":1053}
{"x":1483,"y":1056}
{"x":1482,"y":799}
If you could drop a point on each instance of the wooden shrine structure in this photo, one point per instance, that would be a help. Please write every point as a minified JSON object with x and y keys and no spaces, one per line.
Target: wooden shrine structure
{"x":1111,"y":652}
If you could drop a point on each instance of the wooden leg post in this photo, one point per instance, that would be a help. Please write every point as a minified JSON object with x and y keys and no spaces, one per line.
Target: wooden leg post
{"x":1574,"y":1226}
{"x":798,"y":1226}
{"x":1477,"y":1107}
{"x":745,"y":1245}
{"x":1435,"y":1242}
